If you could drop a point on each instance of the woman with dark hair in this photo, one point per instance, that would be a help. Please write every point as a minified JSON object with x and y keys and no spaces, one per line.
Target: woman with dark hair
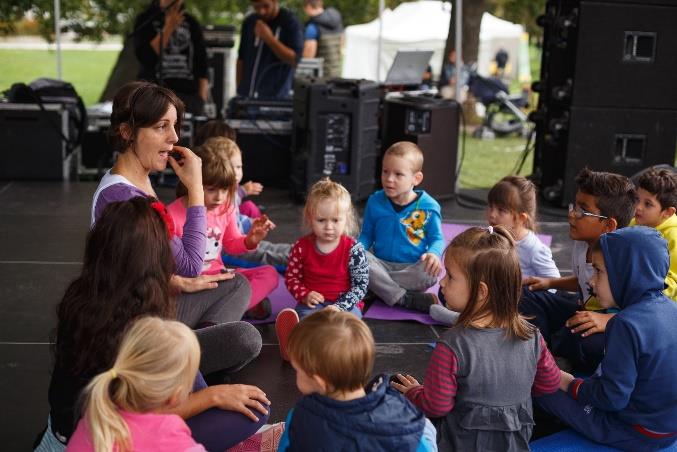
{"x":126,"y":270}
{"x":145,"y":123}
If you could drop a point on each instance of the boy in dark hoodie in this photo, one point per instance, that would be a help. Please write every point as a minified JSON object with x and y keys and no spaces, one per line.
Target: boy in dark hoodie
{"x":333,"y":355}
{"x":631,"y":401}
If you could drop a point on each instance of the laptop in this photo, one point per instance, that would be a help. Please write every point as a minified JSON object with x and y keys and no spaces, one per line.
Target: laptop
{"x":408,"y":67}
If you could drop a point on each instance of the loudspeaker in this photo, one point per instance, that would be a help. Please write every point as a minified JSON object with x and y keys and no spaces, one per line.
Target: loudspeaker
{"x":335,"y":126}
{"x":219,"y":41}
{"x":605,"y":97}
{"x":433,"y":124}
{"x":32,"y":145}
{"x":265,"y":146}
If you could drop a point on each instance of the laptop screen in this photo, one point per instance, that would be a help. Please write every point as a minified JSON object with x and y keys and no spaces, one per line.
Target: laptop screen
{"x":408,"y":67}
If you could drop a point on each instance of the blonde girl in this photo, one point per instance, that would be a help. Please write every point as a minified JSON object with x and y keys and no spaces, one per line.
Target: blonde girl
{"x":125,"y":406}
{"x":484,"y":370}
{"x":328,"y":267}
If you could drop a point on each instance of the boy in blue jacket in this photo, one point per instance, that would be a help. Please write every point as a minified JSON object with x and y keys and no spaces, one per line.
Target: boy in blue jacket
{"x":402,"y":232}
{"x":631,"y":401}
{"x":333,"y":355}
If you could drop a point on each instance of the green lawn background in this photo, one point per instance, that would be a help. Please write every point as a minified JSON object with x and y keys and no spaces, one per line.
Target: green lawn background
{"x":485,"y":162}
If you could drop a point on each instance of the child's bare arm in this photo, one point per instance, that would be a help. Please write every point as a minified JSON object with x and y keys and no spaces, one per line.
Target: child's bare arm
{"x":569,"y":283}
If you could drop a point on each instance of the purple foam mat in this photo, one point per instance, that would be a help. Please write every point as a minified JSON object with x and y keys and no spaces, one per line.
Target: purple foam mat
{"x":280,"y":298}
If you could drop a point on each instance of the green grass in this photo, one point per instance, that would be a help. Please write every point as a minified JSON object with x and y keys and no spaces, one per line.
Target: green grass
{"x":87,"y":70}
{"x":486,"y":161}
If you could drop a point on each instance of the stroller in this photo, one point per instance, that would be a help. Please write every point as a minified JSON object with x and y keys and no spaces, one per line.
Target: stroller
{"x":503,"y":111}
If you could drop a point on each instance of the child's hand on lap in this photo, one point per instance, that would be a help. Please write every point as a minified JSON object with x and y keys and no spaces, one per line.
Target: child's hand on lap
{"x":536,"y":283}
{"x":312,"y":299}
{"x":407,"y":382}
{"x":433,"y":266}
{"x":252,"y":188}
{"x":260,"y":228}
{"x":588,"y":322}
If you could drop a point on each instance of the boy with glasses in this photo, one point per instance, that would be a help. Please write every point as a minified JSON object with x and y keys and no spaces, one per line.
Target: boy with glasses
{"x":570,"y":323}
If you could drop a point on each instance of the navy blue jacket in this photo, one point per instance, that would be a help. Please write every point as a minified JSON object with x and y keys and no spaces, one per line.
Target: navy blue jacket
{"x":637,"y":379}
{"x":383,"y":420}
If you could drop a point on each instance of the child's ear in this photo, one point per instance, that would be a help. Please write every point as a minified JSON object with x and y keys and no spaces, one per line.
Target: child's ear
{"x":321,"y":383}
{"x":483,"y":291}
{"x":610,"y":224}
{"x":667,"y":213}
{"x":523,"y":218}
{"x":176,"y":398}
{"x":418,"y":177}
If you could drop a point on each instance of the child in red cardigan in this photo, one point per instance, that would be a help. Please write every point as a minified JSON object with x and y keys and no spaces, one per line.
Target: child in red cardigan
{"x":327,"y":268}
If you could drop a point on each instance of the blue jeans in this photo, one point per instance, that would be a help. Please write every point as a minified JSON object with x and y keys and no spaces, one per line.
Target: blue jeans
{"x":597,"y":425}
{"x":303,"y":311}
{"x":548,"y":312}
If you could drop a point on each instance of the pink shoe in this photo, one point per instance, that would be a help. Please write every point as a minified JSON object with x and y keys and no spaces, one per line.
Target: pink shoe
{"x":285,"y":322}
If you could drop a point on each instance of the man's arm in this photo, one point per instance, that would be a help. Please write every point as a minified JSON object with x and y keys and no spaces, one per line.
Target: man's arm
{"x":309,"y":48}
{"x":284,"y":53}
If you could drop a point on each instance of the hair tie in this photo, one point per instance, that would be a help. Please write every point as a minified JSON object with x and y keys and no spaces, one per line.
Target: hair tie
{"x":490,"y":229}
{"x":166,"y":217}
{"x":113,"y":374}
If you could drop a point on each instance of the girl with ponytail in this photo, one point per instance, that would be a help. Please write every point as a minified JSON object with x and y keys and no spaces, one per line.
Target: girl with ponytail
{"x":125,"y":406}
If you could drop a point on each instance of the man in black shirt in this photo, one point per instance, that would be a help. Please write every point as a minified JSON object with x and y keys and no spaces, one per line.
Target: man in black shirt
{"x":270,"y":46}
{"x":183,"y":68}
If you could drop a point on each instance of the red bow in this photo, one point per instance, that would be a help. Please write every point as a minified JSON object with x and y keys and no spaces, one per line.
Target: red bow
{"x":169,"y":222}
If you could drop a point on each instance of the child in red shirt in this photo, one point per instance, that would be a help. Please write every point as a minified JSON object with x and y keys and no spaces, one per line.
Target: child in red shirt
{"x":327,"y":268}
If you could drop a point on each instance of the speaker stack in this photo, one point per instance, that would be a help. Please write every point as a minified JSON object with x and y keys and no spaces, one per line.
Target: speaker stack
{"x":433,"y":124}
{"x":335,"y":125}
{"x":606,"y":100}
{"x":219,"y":41}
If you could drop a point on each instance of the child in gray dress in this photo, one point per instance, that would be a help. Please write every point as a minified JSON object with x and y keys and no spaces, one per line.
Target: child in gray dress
{"x":480,"y":379}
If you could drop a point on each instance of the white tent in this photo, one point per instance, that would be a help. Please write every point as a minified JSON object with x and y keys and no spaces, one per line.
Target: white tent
{"x":423,"y":25}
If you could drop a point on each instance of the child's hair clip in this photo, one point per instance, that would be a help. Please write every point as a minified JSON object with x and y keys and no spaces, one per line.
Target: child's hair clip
{"x":490,"y":229}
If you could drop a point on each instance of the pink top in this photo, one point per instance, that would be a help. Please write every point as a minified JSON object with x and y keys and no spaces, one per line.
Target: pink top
{"x":222,"y":232}
{"x":148,"y":431}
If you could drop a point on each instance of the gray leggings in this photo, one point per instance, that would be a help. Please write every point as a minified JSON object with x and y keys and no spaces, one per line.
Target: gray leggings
{"x":229,"y":344}
{"x":391,"y":280}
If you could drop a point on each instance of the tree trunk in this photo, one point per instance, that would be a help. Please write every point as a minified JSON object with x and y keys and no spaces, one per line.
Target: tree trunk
{"x":472,"y":19}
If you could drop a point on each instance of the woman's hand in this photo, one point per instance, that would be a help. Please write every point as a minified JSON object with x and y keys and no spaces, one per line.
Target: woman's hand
{"x":240,"y":398}
{"x":198,"y":284}
{"x":407,"y":383}
{"x":189,"y":172}
{"x":260,"y":228}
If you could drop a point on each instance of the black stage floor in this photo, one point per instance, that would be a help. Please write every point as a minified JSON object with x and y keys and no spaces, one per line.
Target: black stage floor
{"x":42,"y":231}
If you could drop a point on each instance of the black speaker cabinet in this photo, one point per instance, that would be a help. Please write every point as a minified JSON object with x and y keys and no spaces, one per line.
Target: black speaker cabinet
{"x":32,"y":146}
{"x":335,"y":134}
{"x":433,"y":124}
{"x":265,"y":146}
{"x":606,"y":96}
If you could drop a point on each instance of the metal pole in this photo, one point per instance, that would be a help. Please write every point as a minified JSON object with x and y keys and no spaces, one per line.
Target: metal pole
{"x":381,"y":7}
{"x":57,"y":33}
{"x":459,"y":48}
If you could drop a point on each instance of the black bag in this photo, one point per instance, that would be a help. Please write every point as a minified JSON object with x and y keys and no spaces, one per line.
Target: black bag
{"x":49,"y":91}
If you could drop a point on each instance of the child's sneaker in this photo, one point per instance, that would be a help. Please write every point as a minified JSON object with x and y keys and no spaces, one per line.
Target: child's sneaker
{"x":260,"y":311}
{"x":286,"y":320}
{"x":418,"y":301}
